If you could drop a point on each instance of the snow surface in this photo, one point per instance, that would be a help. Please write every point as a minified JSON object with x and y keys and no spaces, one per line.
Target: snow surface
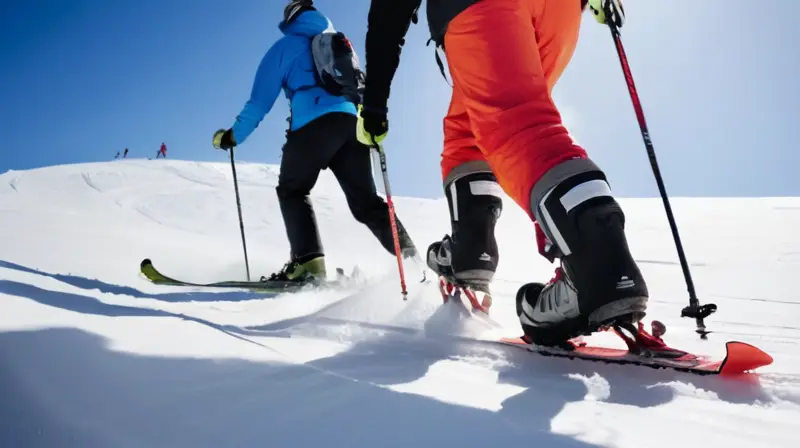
{"x":92,"y":355}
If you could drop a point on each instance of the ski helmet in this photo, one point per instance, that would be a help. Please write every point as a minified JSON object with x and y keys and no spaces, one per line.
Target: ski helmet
{"x":295,"y":8}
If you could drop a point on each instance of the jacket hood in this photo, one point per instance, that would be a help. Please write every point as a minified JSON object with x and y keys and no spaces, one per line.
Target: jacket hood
{"x":307,"y":24}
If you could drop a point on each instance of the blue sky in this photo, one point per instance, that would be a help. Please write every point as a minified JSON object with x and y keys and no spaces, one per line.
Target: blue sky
{"x":83,"y":79}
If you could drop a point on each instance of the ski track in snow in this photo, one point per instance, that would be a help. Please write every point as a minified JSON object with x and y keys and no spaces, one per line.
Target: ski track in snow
{"x":92,"y":355}
{"x":88,"y":179}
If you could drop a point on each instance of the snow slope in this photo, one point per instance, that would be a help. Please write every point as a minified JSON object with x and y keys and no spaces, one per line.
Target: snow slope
{"x":91,"y":355}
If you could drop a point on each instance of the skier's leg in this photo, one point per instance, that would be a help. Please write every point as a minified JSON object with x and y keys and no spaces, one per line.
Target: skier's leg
{"x":505,"y":58}
{"x":352,"y":167}
{"x":496,"y":63}
{"x":305,"y":154}
{"x":468,"y":256}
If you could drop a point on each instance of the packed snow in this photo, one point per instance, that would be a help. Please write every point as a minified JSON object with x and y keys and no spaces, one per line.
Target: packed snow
{"x":93,"y":355}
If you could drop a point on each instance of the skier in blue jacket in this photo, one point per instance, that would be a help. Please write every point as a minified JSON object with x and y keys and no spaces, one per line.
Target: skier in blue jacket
{"x":321,"y":134}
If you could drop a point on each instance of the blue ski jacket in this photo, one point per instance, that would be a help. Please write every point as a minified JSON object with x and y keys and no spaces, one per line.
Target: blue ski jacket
{"x":289,"y":65}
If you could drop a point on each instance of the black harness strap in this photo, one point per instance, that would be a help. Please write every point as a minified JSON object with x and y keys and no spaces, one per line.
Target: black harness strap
{"x":438,"y":58}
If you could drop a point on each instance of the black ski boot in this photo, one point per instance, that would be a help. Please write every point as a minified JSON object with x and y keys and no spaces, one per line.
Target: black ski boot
{"x":598,"y":283}
{"x":468,"y":259}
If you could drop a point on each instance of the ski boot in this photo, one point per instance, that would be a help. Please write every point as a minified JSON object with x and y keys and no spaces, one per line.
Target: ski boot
{"x":310,"y":271}
{"x":467,"y":260}
{"x":471,"y":283}
{"x":598,"y":284}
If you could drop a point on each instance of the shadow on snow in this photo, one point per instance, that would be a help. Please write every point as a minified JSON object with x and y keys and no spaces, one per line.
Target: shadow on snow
{"x":91,"y":284}
{"x":63,"y":387}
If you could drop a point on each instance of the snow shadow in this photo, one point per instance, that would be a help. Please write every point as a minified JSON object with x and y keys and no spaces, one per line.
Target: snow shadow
{"x":394,"y":355}
{"x":61,"y":387}
{"x":66,"y":388}
{"x":107,"y":288}
{"x":89,"y":305}
{"x":382,"y":355}
{"x":389,"y":345}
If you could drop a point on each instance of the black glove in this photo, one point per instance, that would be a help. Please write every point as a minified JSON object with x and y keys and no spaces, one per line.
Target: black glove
{"x":375,"y":121}
{"x":223,"y":139}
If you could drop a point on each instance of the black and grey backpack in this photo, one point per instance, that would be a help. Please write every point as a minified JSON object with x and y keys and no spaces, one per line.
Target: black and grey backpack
{"x":338,"y":70}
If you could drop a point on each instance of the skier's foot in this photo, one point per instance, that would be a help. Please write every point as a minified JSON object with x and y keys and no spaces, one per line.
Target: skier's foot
{"x":598,"y":283}
{"x":439,"y":259}
{"x":474,"y":283}
{"x":302,"y":271}
{"x":479,"y":299}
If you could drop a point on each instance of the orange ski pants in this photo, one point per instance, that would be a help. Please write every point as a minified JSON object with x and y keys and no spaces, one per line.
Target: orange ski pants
{"x":504,"y":57}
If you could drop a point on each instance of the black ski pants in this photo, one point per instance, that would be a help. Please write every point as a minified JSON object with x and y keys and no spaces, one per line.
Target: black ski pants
{"x":330,"y":142}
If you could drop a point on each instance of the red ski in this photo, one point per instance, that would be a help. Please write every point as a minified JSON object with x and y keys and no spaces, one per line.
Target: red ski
{"x":644,"y":349}
{"x":740,"y":357}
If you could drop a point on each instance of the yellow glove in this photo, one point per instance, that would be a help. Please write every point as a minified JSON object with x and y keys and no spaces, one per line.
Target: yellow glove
{"x":605,"y":11}
{"x":223,"y":139}
{"x":372,"y":126}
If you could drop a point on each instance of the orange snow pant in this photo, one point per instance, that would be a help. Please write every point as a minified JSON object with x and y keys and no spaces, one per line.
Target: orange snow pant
{"x":504,"y":57}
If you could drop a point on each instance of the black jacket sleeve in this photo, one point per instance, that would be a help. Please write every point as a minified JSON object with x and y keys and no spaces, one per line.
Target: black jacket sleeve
{"x":387,"y":26}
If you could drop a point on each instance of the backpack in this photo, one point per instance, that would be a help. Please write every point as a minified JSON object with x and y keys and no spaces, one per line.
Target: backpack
{"x":338,"y":70}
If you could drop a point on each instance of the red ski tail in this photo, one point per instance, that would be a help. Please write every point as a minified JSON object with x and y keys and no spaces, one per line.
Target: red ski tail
{"x":742,"y":358}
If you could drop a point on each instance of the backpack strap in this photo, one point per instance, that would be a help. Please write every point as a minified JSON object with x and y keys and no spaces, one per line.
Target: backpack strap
{"x":439,"y":45}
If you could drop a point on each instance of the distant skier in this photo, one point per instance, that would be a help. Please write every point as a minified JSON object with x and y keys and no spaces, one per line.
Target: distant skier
{"x":162,"y":152}
{"x":117,"y":156}
{"x":321,"y":134}
{"x":125,"y":154}
{"x":503,"y":133}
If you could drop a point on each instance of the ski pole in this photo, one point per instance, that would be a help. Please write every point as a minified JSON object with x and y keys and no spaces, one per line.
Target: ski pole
{"x":694,"y":310}
{"x":239,"y":208}
{"x":392,"y":219}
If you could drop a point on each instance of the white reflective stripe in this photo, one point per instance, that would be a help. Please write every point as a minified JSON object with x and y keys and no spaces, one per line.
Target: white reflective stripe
{"x":550,"y":226}
{"x":528,"y":309}
{"x":526,"y":320}
{"x":485,"y":188}
{"x":583,"y":192}
{"x":454,"y":199}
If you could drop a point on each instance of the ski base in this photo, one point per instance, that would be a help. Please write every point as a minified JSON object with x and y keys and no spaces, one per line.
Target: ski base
{"x":267,"y":286}
{"x":740,"y":357}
